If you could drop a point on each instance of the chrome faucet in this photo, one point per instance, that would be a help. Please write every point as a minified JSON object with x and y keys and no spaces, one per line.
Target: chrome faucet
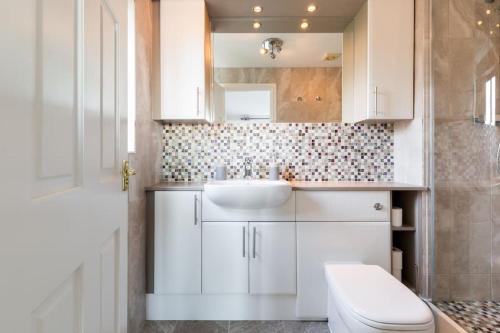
{"x":248,"y":167}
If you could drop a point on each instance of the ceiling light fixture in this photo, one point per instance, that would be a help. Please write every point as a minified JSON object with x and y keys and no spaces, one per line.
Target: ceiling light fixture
{"x":304,"y":25}
{"x":272,"y":46}
{"x":257,"y":9}
{"x":256,"y":25}
{"x":311,"y":8}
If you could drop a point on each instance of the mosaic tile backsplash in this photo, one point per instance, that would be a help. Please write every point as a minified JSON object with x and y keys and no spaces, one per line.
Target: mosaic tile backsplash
{"x":313,"y":152}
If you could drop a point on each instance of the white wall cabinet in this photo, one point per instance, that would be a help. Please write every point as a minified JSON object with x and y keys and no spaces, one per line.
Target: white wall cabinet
{"x":185,"y":62}
{"x":272,"y":258}
{"x":177,"y":242}
{"x":378,"y":58}
{"x":225,"y":258}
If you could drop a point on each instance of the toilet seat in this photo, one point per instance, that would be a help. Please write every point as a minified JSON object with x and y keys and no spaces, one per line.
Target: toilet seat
{"x":367,"y":296}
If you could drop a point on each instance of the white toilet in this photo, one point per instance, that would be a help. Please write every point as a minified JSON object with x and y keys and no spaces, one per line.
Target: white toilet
{"x":367,"y":299}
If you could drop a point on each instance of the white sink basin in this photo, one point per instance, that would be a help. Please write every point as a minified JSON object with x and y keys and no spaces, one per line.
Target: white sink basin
{"x":248,"y":194}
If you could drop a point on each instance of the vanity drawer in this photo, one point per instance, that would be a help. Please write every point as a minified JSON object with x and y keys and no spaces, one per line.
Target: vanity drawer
{"x":343,"y":206}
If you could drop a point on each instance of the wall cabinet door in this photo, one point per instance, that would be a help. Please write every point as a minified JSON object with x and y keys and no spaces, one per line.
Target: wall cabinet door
{"x":383,"y":62}
{"x":225,"y":258}
{"x":177,"y":247}
{"x":272,"y":258}
{"x":185,"y":61}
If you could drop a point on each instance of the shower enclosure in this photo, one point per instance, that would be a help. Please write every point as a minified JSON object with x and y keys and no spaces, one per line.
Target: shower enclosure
{"x":465,"y":39}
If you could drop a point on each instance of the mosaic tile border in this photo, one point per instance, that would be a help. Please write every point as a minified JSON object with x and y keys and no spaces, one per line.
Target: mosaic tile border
{"x":313,"y":152}
{"x":473,"y":316}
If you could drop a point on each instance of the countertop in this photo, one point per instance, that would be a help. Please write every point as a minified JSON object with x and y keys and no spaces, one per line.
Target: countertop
{"x":303,"y":186}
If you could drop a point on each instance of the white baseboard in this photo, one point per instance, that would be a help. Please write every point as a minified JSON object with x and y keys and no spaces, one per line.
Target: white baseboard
{"x":221,"y":307}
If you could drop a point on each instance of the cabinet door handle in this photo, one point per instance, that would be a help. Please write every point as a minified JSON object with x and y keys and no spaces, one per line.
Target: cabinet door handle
{"x":197,"y":101}
{"x":253,"y":240}
{"x":376,"y":100}
{"x":244,"y":242}
{"x":378,"y":206}
{"x":195,"y":209}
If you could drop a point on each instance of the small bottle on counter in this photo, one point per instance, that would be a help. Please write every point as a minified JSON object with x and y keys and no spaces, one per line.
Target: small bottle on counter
{"x":220,"y":171}
{"x":274,"y":169}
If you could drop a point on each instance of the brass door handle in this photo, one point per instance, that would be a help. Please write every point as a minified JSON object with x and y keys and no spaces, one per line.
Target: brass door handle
{"x":127,"y":171}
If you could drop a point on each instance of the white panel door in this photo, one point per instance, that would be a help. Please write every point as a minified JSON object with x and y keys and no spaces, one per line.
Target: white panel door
{"x":63,"y":215}
{"x":177,"y":247}
{"x":272,"y":258}
{"x":225,"y":258}
{"x":323,"y":242}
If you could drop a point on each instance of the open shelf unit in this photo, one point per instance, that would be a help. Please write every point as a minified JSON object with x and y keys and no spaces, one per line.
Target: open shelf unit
{"x":406,"y":237}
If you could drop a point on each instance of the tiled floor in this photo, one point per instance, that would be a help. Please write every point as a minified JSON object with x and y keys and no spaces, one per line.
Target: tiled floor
{"x":473,"y":316}
{"x":236,"y":327}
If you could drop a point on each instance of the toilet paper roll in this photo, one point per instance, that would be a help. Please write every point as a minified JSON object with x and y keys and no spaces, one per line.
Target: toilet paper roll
{"x":397,"y":259}
{"x":397,"y":274}
{"x":397,"y":217}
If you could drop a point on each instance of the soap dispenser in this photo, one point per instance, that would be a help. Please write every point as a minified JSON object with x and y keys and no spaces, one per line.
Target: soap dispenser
{"x":274,"y":169}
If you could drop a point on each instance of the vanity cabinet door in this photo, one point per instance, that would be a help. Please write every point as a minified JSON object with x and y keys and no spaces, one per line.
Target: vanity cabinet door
{"x":225,"y":258}
{"x":272,"y":258}
{"x":177,"y":242}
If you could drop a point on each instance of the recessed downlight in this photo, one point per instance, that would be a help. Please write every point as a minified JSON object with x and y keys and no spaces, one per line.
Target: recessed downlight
{"x":262,"y":51}
{"x":304,"y":25}
{"x":257,"y":9}
{"x":256,"y":25}
{"x":311,"y":8}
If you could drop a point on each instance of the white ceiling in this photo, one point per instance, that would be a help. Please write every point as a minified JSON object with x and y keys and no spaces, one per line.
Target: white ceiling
{"x":241,"y":50}
{"x":281,"y":15}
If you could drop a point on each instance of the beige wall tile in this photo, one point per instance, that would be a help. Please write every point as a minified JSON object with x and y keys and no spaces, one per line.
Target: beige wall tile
{"x":480,"y":248}
{"x":495,"y":287}
{"x":146,"y":161}
{"x":441,"y":288}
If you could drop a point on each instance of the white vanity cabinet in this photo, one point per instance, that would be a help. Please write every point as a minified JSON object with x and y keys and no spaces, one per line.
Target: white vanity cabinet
{"x":249,"y":257}
{"x":378,"y":62}
{"x":337,"y":227}
{"x":177,"y":242}
{"x":218,"y":263}
{"x":185,"y":62}
{"x":225,"y":258}
{"x":272,"y":258}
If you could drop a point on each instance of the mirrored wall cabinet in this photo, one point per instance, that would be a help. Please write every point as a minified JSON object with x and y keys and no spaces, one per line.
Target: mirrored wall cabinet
{"x":377,"y":76}
{"x":357,"y":68}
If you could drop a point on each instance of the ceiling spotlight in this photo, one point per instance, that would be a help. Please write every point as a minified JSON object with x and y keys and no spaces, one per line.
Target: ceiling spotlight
{"x":272,"y":46}
{"x":257,"y":9}
{"x":479,"y":23}
{"x":488,"y":11}
{"x":311,"y":8}
{"x":304,"y":25}
{"x":256,"y":25}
